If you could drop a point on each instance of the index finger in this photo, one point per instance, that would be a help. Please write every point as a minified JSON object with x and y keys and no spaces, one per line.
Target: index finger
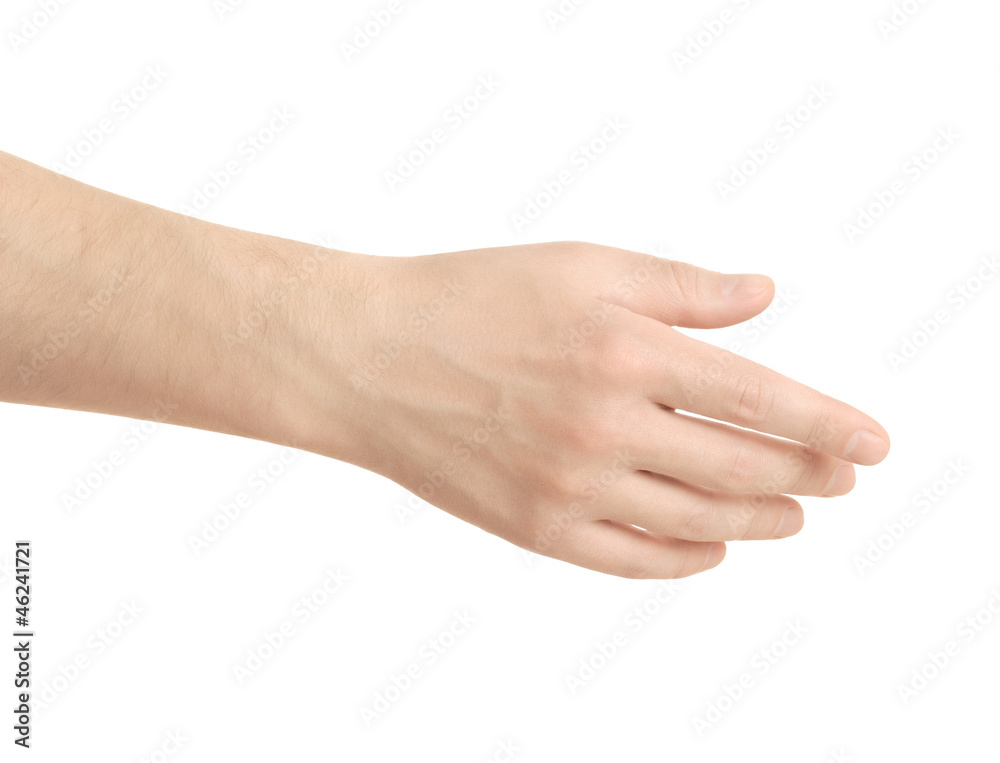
{"x":709,"y":381}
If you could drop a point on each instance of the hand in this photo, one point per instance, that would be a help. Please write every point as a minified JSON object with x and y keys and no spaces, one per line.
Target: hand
{"x":537,"y":392}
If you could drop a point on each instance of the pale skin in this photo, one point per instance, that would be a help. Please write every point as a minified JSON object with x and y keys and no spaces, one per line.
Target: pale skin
{"x":540,"y":392}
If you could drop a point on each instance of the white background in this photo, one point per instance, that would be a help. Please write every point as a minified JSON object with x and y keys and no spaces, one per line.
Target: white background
{"x":832,"y":695}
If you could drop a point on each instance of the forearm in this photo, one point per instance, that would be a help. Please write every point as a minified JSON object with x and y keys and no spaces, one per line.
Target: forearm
{"x":114,"y":306}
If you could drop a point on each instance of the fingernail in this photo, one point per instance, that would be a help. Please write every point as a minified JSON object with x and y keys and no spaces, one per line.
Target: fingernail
{"x":744,"y":286}
{"x":866,"y":447}
{"x":789,"y":524}
{"x":840,"y":483}
{"x":715,"y":555}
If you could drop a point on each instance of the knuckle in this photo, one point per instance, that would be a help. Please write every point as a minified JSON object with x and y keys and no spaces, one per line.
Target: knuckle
{"x":545,"y":483}
{"x":618,"y":355}
{"x":823,"y":429}
{"x":686,"y":280}
{"x":683,"y":563}
{"x":749,"y":401}
{"x":743,"y":470}
{"x":559,"y":485}
{"x":580,"y":435}
{"x":700,"y":521}
{"x":595,"y":432}
{"x":807,"y":468}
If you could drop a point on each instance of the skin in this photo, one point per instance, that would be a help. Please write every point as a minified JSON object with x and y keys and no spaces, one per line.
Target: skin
{"x":540,"y":392}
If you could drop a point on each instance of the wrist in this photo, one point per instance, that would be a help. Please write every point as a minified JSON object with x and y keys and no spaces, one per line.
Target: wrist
{"x":296,"y":316}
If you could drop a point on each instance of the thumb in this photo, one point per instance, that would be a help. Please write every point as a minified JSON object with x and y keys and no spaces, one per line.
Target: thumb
{"x":685,"y":295}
